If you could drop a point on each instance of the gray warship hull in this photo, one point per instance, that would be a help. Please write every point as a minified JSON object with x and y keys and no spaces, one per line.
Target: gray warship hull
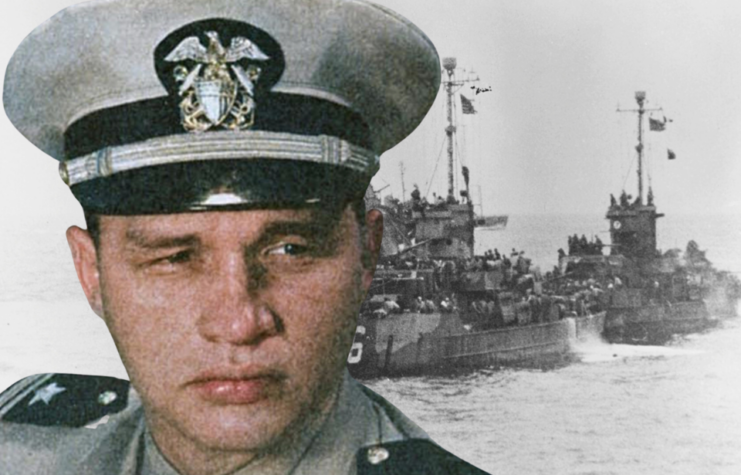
{"x":440,"y":343}
{"x":656,"y":324}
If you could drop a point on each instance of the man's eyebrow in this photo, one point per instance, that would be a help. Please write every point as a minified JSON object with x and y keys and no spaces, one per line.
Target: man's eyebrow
{"x":139,"y":239}
{"x":318,"y":226}
{"x":315,"y":225}
{"x":300,"y":227}
{"x":305,"y":229}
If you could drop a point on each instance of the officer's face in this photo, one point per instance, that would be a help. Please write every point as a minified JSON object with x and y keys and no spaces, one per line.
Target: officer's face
{"x":234,"y":326}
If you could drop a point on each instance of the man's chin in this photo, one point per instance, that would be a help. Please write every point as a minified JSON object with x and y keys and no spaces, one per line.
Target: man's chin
{"x":237,"y":428}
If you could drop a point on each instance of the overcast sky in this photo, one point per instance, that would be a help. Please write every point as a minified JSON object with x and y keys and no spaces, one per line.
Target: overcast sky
{"x":547,"y":138}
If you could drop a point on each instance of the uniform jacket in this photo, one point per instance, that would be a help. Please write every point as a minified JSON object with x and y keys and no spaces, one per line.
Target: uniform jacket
{"x":80,"y":425}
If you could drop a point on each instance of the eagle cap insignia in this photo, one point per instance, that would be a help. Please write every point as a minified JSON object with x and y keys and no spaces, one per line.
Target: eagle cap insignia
{"x":217,"y":84}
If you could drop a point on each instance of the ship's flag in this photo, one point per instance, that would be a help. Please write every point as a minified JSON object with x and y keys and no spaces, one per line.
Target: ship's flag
{"x":656,"y":125}
{"x":670,"y":154}
{"x":467,"y":105}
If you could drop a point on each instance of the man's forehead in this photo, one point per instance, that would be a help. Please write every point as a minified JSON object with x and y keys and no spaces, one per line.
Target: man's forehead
{"x":137,"y":228}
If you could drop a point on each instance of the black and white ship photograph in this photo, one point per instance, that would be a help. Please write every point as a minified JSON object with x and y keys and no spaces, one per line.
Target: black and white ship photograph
{"x":558,"y":280}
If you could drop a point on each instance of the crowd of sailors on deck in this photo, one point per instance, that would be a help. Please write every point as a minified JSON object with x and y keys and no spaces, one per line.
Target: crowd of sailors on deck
{"x":391,"y":306}
{"x":500,"y":308}
{"x":447,"y":271}
{"x":583,"y":293}
{"x":579,"y":246}
{"x":515,"y":288}
{"x":627,"y":202}
{"x":420,"y":203}
{"x":494,"y":260}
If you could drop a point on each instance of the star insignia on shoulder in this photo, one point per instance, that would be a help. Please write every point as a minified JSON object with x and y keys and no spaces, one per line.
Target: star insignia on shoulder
{"x":46,"y":394}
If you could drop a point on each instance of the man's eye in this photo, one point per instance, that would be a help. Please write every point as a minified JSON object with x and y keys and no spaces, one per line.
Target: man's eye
{"x":177,"y":258}
{"x":288,"y":249}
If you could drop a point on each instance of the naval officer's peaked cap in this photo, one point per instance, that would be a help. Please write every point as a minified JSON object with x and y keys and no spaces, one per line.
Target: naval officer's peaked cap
{"x":172,"y":106}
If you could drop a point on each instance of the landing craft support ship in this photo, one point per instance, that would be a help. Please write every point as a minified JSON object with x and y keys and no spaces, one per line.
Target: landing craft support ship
{"x":485,"y":323}
{"x":649,"y":296}
{"x":435,"y":307}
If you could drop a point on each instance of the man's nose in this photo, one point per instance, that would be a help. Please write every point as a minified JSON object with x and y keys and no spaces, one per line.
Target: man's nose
{"x":236,"y":311}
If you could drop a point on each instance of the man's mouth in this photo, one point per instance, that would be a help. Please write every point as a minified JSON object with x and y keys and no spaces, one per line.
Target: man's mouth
{"x":236,"y":387}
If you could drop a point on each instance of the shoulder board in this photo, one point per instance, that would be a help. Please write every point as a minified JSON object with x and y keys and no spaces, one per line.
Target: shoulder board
{"x":412,"y":457}
{"x":66,"y":400}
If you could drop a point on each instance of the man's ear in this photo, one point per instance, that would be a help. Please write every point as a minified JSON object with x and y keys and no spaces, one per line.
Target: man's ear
{"x":373,"y":240}
{"x":85,"y":257}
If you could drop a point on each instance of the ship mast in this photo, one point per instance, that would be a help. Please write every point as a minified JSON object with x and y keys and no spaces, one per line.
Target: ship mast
{"x":403,"y":187}
{"x":640,"y":99}
{"x":633,"y":225}
{"x":451,"y":85}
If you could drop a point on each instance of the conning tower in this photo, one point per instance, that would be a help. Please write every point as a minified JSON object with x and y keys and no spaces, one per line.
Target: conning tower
{"x":633,"y":223}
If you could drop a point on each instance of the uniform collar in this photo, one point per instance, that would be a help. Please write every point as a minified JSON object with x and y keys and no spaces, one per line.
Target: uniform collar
{"x":114,"y":447}
{"x":359,"y":419}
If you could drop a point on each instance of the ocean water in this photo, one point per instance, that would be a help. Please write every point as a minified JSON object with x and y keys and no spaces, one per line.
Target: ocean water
{"x":621,"y":410}
{"x":618,"y":409}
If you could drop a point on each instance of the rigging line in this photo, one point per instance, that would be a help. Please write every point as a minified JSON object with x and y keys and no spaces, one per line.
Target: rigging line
{"x":459,"y":154}
{"x":630,"y":169}
{"x":649,"y":163}
{"x":432,"y":178}
{"x":457,"y":163}
{"x":461,"y":150}
{"x":456,"y":150}
{"x":457,"y":157}
{"x":630,"y":153}
{"x":461,"y":158}
{"x":435,"y":126}
{"x":388,"y":185}
{"x":626,"y":147}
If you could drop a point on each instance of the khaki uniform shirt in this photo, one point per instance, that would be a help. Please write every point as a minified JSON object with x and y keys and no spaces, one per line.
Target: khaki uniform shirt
{"x":123,"y":446}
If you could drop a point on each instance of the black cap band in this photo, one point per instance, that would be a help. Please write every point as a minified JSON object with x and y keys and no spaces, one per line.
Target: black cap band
{"x":221,"y":185}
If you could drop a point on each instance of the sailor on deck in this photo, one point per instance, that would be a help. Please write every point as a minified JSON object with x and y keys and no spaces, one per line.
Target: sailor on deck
{"x":221,"y":150}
